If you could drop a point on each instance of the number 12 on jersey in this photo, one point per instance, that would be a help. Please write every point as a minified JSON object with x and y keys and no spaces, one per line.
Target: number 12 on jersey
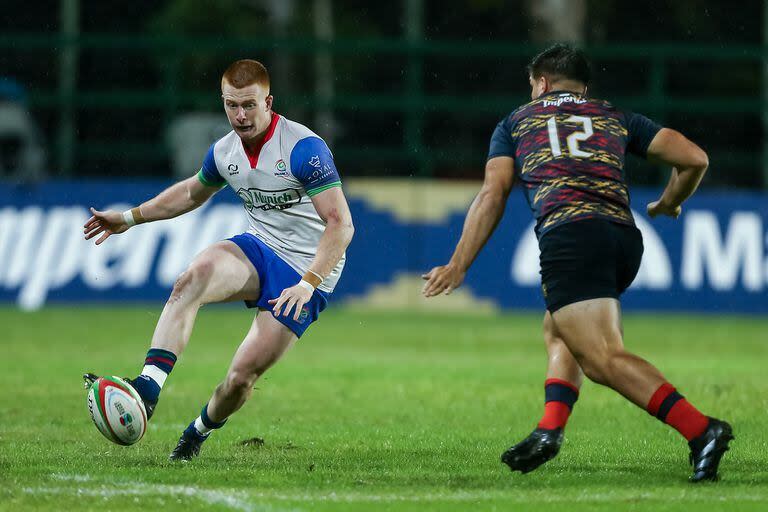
{"x":573,"y":139}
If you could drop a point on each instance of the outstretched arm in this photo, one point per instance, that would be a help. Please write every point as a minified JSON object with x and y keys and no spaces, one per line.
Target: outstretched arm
{"x":689,"y":163}
{"x":177,"y":199}
{"x":332,"y":207}
{"x":483,"y":217}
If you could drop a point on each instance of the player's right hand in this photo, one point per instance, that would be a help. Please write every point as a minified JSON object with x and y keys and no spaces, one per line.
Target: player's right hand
{"x":657,"y":208}
{"x":442,"y":279}
{"x":106,"y":223}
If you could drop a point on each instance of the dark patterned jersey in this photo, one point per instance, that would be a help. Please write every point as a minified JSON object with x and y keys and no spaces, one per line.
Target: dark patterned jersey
{"x":569,"y":155}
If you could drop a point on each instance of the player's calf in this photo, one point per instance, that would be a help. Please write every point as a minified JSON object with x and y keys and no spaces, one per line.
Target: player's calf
{"x":231,"y":394}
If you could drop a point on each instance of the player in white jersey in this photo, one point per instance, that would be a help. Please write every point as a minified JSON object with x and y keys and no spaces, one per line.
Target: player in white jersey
{"x":288,"y":261}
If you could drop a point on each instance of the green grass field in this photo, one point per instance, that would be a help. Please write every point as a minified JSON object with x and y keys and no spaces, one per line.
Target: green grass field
{"x":372,"y":411}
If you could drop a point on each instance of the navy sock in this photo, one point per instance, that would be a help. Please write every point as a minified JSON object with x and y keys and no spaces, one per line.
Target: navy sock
{"x":157,"y":366}
{"x":147,"y":388}
{"x":204,"y":424}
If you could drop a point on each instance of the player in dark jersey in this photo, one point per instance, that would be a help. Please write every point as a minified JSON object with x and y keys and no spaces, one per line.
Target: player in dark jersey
{"x":567,"y":151}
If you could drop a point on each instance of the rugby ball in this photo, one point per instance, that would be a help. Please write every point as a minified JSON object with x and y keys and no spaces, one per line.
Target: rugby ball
{"x":117,"y":410}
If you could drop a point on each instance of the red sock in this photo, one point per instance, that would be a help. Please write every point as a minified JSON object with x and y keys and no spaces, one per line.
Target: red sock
{"x":559,"y":397}
{"x":670,"y":407}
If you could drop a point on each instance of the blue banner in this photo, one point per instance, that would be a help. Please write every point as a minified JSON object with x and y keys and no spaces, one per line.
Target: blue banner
{"x":714,"y":258}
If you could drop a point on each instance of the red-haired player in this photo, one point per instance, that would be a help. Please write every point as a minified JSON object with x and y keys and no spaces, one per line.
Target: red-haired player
{"x":287,"y":263}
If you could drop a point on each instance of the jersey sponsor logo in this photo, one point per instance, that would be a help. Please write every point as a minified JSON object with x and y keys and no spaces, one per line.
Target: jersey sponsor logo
{"x":232,"y":168}
{"x":281,"y":169}
{"x":320,"y":174}
{"x":256,"y":198}
{"x":315,"y":162}
{"x":563,"y":99}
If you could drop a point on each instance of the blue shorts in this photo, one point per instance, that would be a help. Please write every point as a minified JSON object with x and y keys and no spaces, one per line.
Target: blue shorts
{"x":275,"y":275}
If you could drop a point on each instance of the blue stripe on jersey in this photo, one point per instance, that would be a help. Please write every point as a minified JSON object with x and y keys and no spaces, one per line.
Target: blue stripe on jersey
{"x":209,"y":173}
{"x":312,"y":164}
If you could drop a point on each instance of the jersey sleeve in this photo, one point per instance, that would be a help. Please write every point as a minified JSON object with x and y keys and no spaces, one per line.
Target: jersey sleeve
{"x":209,"y":174}
{"x":501,"y":141}
{"x":640,"y":133}
{"x":312,"y":164}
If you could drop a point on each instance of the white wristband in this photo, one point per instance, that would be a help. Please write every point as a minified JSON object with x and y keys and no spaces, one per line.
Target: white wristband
{"x":128,"y":218}
{"x":307,"y":285}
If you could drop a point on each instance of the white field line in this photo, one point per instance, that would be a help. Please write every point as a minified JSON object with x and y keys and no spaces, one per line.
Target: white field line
{"x":242,"y":500}
{"x":228,"y":497}
{"x":71,"y":478}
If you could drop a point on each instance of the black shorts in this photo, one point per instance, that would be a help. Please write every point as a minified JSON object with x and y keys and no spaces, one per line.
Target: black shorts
{"x":588,"y":259}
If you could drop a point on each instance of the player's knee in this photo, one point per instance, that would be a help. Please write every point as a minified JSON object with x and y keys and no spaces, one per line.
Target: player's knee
{"x":240,"y":383}
{"x":594,"y":369}
{"x":553,"y":343}
{"x":601,"y":366}
{"x":192,"y":281}
{"x":596,"y":365}
{"x":179,"y":287}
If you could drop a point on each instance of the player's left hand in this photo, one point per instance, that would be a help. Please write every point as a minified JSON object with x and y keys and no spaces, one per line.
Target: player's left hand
{"x":295,"y":296}
{"x":657,"y":208}
{"x":442,"y":279}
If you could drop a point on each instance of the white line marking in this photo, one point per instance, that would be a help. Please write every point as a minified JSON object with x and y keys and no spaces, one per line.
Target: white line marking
{"x":246,"y":501}
{"x":231,"y":498}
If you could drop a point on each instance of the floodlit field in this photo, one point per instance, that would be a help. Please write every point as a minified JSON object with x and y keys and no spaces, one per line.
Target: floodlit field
{"x":372,"y":411}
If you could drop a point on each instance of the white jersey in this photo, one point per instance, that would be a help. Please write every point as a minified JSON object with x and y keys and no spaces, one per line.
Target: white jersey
{"x":276,"y":182}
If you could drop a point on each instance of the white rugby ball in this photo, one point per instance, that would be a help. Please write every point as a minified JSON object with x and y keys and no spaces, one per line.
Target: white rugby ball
{"x":117,"y":410}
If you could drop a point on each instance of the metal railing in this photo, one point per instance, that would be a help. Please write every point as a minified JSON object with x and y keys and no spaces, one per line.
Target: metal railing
{"x":413,"y":100}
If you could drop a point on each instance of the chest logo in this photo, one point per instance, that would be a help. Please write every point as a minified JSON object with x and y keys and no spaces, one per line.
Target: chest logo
{"x":232,"y":168}
{"x":280,"y":169}
{"x":258,"y":199}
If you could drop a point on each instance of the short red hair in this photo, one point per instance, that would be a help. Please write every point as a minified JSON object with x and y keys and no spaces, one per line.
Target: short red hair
{"x":243,"y":73}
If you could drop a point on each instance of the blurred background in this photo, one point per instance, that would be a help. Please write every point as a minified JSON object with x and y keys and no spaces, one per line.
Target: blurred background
{"x":104,"y":103}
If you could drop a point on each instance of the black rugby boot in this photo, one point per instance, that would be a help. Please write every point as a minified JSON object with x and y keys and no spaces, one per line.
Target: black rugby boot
{"x":189,"y":445}
{"x":540,"y":446}
{"x":708,"y":449}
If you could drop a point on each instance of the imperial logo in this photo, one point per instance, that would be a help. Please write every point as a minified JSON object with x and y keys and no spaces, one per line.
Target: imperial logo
{"x":563,"y":99}
{"x":255,"y":198}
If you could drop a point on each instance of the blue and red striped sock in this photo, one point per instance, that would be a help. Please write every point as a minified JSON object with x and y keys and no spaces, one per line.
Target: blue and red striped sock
{"x":157,"y":365}
{"x":559,"y":398}
{"x":673,"y":409}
